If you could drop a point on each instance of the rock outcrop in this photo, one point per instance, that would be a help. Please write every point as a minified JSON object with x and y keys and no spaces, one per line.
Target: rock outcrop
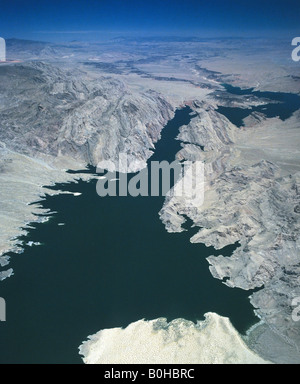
{"x":46,"y":110}
{"x":52,"y":120}
{"x":250,"y":200}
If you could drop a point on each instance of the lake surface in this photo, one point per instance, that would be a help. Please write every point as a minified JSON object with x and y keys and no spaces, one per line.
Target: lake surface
{"x":111,"y":264}
{"x":285,"y":105}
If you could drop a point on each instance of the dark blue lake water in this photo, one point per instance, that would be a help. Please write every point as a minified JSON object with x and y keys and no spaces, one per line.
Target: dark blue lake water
{"x":285,"y":105}
{"x":111,"y":264}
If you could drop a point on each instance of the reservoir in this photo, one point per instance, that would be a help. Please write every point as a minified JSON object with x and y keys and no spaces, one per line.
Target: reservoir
{"x":276,"y":104}
{"x":111,"y":263}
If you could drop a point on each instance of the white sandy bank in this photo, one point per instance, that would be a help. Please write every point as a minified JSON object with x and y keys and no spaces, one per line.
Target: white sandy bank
{"x":213,"y":341}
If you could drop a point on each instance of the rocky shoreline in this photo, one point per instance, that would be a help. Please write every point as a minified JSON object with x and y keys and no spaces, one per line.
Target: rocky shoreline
{"x":252,"y":200}
{"x":51,"y":122}
{"x":68,"y":114}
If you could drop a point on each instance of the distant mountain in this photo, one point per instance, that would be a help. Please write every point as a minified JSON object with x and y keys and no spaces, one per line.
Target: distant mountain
{"x":159,"y":39}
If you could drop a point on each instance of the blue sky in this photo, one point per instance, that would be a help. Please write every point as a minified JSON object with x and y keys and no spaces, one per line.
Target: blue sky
{"x":65,"y":20}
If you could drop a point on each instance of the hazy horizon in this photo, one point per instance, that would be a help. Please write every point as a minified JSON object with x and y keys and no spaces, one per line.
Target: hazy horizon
{"x":97,"y":20}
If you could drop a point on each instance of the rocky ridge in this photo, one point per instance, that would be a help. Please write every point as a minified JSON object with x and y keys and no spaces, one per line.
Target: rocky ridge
{"x":51,"y":120}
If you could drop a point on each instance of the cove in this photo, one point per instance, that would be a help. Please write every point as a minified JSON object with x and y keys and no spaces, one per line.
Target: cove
{"x":285,"y":105}
{"x":111,"y":264}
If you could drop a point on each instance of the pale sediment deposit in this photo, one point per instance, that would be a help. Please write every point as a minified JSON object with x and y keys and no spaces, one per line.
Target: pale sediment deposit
{"x":213,"y":341}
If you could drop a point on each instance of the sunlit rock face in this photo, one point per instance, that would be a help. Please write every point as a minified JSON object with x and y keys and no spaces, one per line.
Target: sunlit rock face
{"x":2,"y":49}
